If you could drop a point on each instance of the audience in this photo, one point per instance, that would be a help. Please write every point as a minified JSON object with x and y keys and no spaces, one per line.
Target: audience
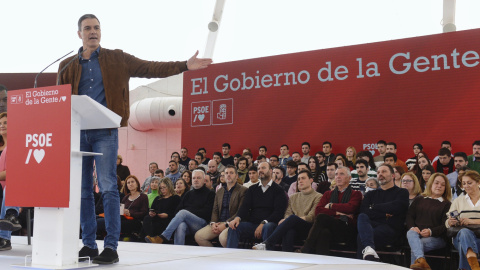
{"x":410,"y":183}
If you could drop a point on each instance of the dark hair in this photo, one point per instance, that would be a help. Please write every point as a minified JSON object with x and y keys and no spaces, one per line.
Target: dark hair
{"x":217,"y":154}
{"x":201,"y":148}
{"x":446,"y":142}
{"x":226,"y":145}
{"x":420,"y":146}
{"x":237,"y":155}
{"x":292,"y":163}
{"x":476,"y":143}
{"x":275,"y":156}
{"x":261,"y":157}
{"x":281,"y":169}
{"x":327,"y":142}
{"x":371,"y":161}
{"x":152,"y":163}
{"x":306,"y":143}
{"x":361,"y":161}
{"x":461,"y":154}
{"x":242,"y":159}
{"x":296,"y":153}
{"x":184,"y":148}
{"x":392,"y":143}
{"x":444,"y":152}
{"x":196,"y":162}
{"x":333,"y":164}
{"x":159,"y":171}
{"x":317,"y":167}
{"x":264,"y":147}
{"x":388,"y":155}
{"x":430,"y":168}
{"x":248,"y":154}
{"x":341,"y":155}
{"x":174,"y":154}
{"x":84,"y":17}
{"x":284,"y":145}
{"x":389,"y":167}
{"x":201,"y":169}
{"x":381,"y":142}
{"x":303,"y":163}
{"x":321,"y":153}
{"x":309,"y":173}
{"x":189,"y":175}
{"x":253,"y":168}
{"x":231,"y":167}
{"x":399,"y":169}
{"x":199,"y":154}
{"x":172,"y":161}
{"x":125,"y":190}
{"x":3,"y":87}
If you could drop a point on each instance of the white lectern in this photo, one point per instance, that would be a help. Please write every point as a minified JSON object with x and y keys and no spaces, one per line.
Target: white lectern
{"x":56,"y":230}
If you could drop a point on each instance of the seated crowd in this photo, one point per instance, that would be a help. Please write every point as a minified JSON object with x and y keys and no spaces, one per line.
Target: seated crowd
{"x":310,"y":203}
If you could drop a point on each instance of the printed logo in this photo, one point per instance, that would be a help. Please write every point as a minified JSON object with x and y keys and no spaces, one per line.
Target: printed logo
{"x":37,"y":140}
{"x":223,"y":111}
{"x":201,"y":113}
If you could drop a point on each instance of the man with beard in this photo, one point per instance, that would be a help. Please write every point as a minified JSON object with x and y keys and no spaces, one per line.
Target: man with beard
{"x":359,"y":183}
{"x":460,"y":160}
{"x":261,"y":210}
{"x":227,"y":201}
{"x":242,"y":170}
{"x":474,"y":159}
{"x":382,"y":215}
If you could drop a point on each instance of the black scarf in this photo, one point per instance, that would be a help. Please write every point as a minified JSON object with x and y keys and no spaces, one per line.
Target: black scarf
{"x":346,"y":195}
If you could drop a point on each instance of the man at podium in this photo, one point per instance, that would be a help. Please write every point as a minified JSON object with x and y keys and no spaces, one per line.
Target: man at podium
{"x":103,"y":75}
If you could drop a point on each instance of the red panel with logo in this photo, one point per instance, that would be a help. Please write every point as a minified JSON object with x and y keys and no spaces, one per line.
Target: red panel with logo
{"x":416,"y":90}
{"x":38,"y":171}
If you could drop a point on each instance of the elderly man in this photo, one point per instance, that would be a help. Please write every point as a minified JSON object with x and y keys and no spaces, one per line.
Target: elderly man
{"x":298,"y":218}
{"x":335,"y":216}
{"x":103,"y":75}
{"x":263,"y":206}
{"x":227,"y":202}
{"x":192,"y":214}
{"x":382,"y":218}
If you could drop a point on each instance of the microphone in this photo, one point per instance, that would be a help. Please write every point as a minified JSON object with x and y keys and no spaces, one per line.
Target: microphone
{"x":36,"y":77}
{"x":61,"y":71}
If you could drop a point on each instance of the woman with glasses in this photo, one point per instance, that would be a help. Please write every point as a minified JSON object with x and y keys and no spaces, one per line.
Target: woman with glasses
{"x":162,"y":210}
{"x":410,"y":183}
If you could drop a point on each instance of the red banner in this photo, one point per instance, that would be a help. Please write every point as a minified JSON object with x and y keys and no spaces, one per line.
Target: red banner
{"x":415,"y":90}
{"x":39,"y":147}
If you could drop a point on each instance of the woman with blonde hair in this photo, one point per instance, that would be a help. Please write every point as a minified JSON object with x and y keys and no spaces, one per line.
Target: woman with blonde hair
{"x":410,"y":183}
{"x":465,"y":211}
{"x":426,"y":218}
{"x":162,"y":210}
{"x":351,"y":154}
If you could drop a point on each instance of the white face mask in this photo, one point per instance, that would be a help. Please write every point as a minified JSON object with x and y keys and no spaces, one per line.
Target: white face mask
{"x":369,"y":189}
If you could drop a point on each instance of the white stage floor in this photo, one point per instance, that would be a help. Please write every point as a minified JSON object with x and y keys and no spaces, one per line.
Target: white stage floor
{"x":154,"y":256}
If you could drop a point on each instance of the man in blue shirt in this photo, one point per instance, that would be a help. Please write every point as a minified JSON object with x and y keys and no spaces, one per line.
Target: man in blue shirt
{"x":103,"y":75}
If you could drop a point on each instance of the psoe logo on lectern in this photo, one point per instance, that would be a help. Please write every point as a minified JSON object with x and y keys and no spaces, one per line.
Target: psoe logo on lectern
{"x":41,"y":141}
{"x":16,"y":99}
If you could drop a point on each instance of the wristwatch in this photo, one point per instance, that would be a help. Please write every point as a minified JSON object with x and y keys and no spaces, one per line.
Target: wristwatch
{"x":264,"y":222}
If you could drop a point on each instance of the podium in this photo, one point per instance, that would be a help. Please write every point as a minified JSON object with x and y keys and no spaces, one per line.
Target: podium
{"x":57,"y":217}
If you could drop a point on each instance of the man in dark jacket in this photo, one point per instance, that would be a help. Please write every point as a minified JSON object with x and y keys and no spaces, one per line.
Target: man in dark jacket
{"x":382,"y":215}
{"x":193,"y":213}
{"x":263,"y":207}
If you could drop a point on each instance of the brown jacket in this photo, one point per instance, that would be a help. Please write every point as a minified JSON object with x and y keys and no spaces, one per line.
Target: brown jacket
{"x":235,"y":201}
{"x":117,"y":67}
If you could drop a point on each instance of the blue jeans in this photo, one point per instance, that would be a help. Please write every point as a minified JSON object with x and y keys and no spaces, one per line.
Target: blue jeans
{"x":419,"y":245}
{"x":184,"y":223}
{"x":100,"y":141}
{"x":287,"y":231}
{"x":464,"y":240}
{"x":6,"y":234}
{"x":247,"y":230}
{"x":372,"y":233}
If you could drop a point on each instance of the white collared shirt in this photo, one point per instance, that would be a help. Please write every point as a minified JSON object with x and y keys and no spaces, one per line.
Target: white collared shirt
{"x":264,"y":188}
{"x":439,"y":198}
{"x":470,"y":201}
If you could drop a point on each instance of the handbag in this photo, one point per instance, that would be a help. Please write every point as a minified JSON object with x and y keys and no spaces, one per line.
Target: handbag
{"x":452,"y":231}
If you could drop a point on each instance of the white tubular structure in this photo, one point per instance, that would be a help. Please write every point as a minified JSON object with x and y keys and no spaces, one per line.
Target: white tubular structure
{"x":156,"y":113}
{"x":448,"y":22}
{"x":213,"y":27}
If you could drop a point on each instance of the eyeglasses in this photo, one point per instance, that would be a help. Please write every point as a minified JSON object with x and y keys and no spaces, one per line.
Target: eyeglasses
{"x":407,"y":181}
